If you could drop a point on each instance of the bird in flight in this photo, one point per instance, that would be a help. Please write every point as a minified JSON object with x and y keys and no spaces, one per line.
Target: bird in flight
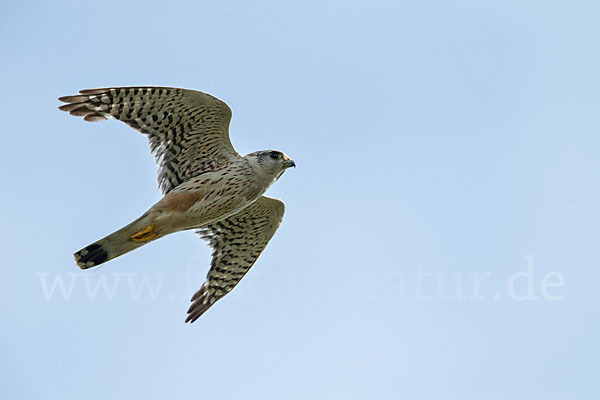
{"x":207,"y":185}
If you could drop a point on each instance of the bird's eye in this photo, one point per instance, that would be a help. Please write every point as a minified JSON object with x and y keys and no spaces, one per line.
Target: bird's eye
{"x":275,"y":155}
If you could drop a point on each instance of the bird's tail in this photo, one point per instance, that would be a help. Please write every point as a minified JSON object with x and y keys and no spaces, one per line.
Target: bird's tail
{"x":136,"y":234}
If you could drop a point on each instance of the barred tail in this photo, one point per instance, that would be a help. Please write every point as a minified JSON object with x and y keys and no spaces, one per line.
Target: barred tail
{"x":126,"y":239}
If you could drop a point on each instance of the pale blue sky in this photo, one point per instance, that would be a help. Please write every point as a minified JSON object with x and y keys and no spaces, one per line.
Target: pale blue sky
{"x":439,"y":144}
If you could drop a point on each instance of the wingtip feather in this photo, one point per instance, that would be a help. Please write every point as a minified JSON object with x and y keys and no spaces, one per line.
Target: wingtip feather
{"x":73,"y":99}
{"x":94,"y":91}
{"x":94,"y":117}
{"x":69,"y":107}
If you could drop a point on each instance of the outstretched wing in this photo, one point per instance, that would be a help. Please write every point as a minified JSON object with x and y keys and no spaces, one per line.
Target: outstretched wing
{"x":237,"y":242}
{"x":188,"y":130}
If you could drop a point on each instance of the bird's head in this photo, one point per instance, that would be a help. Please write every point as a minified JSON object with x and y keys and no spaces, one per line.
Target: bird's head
{"x":271,"y":163}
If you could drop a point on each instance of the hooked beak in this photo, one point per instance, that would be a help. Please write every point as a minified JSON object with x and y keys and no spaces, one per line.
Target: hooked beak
{"x":289,"y":163}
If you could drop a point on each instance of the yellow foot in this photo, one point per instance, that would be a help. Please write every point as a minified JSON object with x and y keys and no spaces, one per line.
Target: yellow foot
{"x":144,"y":234}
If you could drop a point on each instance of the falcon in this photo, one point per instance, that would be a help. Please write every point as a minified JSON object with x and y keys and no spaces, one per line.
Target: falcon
{"x":207,"y":185}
